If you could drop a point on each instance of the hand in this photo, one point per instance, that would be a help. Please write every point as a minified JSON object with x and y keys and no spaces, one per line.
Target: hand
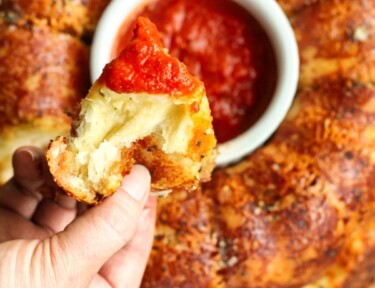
{"x":55,"y":243}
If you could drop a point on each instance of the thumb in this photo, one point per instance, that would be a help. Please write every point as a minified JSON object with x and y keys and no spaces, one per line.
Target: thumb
{"x":88,"y":242}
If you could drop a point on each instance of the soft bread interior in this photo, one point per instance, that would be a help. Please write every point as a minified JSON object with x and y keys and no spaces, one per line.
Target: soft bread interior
{"x":14,"y":137}
{"x":120,"y":119}
{"x":110,"y":121}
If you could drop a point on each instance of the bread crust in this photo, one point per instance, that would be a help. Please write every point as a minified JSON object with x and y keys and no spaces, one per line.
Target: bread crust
{"x":185,"y":252}
{"x":335,"y":40}
{"x":31,"y":81}
{"x":294,"y":7}
{"x":75,"y":17}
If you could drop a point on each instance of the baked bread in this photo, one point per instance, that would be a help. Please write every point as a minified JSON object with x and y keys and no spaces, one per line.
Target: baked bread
{"x":74,"y":17}
{"x":43,"y":75}
{"x":256,"y":220}
{"x":185,"y":252}
{"x":145,"y":108}
{"x":300,"y":197}
{"x":293,"y":7}
{"x":346,"y":50}
{"x":298,"y":212}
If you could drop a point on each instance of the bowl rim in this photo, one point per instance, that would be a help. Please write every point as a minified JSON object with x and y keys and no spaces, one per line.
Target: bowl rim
{"x":276,"y":25}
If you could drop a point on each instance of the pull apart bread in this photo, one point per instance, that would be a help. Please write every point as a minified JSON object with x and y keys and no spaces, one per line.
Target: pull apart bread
{"x":145,"y":108}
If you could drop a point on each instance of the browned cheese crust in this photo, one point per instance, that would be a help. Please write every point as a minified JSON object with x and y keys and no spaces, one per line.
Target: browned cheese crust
{"x":185,"y":250}
{"x":299,"y":211}
{"x":164,"y":170}
{"x":43,"y":75}
{"x":336,"y":38}
{"x":291,"y":7}
{"x":299,"y":198}
{"x":76,"y":17}
{"x":355,"y":264}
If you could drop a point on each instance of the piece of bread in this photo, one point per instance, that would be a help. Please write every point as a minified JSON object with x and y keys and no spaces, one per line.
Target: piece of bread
{"x":74,"y":17}
{"x":43,"y":75}
{"x":145,"y":108}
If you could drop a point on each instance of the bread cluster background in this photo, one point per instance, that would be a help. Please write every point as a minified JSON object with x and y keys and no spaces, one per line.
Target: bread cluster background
{"x":299,"y":212}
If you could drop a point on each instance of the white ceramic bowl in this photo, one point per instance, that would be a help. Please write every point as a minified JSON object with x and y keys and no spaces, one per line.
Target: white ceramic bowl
{"x":272,"y":19}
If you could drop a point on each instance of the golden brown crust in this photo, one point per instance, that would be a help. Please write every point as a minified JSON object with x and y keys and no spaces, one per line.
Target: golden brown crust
{"x":355,"y":264}
{"x":43,"y":74}
{"x":95,"y":10}
{"x":336,"y":38}
{"x":148,"y":153}
{"x":184,"y":252}
{"x":76,"y":17}
{"x":62,"y":168}
{"x":292,"y":7}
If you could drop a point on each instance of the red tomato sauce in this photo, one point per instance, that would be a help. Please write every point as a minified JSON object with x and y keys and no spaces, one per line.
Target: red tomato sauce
{"x":222,"y":45}
{"x":144,"y":66}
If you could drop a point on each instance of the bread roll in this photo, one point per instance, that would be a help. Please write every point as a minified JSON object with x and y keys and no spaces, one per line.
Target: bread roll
{"x":95,"y":9}
{"x":336,"y":39}
{"x":43,"y":75}
{"x":292,"y":7}
{"x":75,"y":17}
{"x":145,"y":108}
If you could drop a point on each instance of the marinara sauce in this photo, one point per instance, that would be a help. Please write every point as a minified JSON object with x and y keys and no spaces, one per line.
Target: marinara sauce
{"x":222,"y":45}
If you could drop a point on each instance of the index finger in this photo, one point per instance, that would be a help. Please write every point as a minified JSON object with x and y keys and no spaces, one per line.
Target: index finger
{"x":23,"y":192}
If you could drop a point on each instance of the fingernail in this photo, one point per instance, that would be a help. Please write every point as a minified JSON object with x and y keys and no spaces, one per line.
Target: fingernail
{"x":33,"y":156}
{"x":137,"y":183}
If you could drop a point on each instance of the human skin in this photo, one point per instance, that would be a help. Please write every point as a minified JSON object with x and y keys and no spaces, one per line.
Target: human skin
{"x":58,"y":242}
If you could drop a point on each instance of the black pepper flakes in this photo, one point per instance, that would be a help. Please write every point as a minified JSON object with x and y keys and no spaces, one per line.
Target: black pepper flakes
{"x":357,"y":194}
{"x":301,"y":224}
{"x":349,"y":155}
{"x":151,"y":148}
{"x":10,"y":17}
{"x":159,"y":237}
{"x":98,"y":197}
{"x":331,"y":253}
